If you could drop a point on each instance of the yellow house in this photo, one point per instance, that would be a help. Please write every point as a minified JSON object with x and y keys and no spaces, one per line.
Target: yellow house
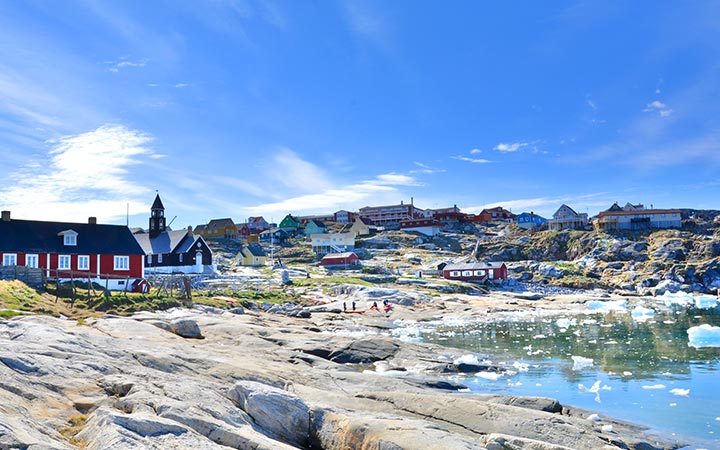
{"x":360,"y":227}
{"x":218,"y":228}
{"x":252,"y":255}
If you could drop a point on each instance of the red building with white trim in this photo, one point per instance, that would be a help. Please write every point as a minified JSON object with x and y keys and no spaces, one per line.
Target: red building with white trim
{"x":347,"y":259}
{"x":477,"y":271}
{"x":105,"y":254}
{"x":493,"y":214}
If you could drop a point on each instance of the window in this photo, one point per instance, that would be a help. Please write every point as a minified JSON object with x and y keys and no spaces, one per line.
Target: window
{"x":160,"y":257}
{"x":467,"y":273}
{"x":10,"y":259}
{"x":64,"y":262}
{"x":149,"y":259}
{"x":31,"y":261}
{"x":70,"y":239}
{"x":181,"y":257}
{"x":454,"y":273}
{"x":83,"y":262}
{"x":122,"y":263}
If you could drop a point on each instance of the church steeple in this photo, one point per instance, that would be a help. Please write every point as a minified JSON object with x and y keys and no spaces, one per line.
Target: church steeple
{"x":157,"y":217}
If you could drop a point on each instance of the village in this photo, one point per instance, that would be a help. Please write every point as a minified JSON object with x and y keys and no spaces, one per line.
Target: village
{"x":120,"y":258}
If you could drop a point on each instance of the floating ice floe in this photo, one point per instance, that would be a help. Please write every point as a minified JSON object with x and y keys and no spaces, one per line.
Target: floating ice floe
{"x":580,"y":362}
{"x":680,"y":392}
{"x":595,"y":388}
{"x":704,"y":336}
{"x":607,"y":306}
{"x":467,"y":359}
{"x":565,"y":322}
{"x":654,"y":387}
{"x":684,"y":299}
{"x":521,"y":366}
{"x":493,"y":376}
{"x":641,"y":313}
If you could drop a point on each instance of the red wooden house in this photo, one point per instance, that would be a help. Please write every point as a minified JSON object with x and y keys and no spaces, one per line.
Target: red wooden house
{"x":338,"y":260}
{"x":494,"y":214}
{"x":475,"y":271}
{"x":105,"y":254}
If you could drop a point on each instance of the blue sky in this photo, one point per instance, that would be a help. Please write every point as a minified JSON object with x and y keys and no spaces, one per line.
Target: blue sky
{"x":240,"y":108}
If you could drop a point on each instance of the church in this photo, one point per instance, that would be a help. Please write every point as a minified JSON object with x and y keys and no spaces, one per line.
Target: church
{"x":169,"y":251}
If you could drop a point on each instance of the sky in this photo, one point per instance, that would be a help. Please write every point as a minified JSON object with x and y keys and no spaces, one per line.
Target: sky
{"x":238,"y":108}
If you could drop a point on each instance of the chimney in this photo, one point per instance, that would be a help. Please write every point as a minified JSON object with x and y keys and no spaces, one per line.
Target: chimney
{"x":92,"y":220}
{"x":190,"y":229}
{"x":6,"y":216}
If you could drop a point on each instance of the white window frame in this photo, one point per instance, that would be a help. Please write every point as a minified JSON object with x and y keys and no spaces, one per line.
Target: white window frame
{"x":149,"y":259}
{"x":83,"y":262}
{"x":32,"y":257}
{"x":70,"y":239}
{"x":9,"y":259}
{"x":160,"y":258}
{"x":64,"y":259}
{"x":121,"y":263}
{"x":180,"y":257}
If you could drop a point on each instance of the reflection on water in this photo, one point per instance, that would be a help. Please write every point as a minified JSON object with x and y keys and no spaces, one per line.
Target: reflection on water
{"x":640,"y":371}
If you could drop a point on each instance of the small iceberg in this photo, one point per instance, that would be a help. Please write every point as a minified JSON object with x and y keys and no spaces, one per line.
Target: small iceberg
{"x":641,"y":313}
{"x":607,"y":306}
{"x":580,"y":362}
{"x":680,"y":392}
{"x":704,"y":336}
{"x":654,"y":387}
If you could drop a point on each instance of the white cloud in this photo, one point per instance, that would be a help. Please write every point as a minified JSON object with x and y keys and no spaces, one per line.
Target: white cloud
{"x":591,"y":104}
{"x":380,"y":189}
{"x":426,"y":169}
{"x":475,"y":151}
{"x":123,"y":63}
{"x":472,"y":160}
{"x":181,"y":85}
{"x":658,"y":107}
{"x":287,"y":169}
{"x":547,"y":205}
{"x":507,"y":148}
{"x":85,"y":174}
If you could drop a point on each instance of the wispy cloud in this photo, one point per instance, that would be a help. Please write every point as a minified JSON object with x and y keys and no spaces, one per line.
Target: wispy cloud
{"x":84,"y":174}
{"x":180,"y":85}
{"x":548,"y":205}
{"x":379,"y":189}
{"x":426,"y":169}
{"x":510,"y":147}
{"x":658,"y":107}
{"x":471,"y":160}
{"x":475,"y":151}
{"x":124,"y":63}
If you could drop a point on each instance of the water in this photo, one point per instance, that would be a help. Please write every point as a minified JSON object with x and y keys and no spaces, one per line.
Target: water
{"x":639,"y":369}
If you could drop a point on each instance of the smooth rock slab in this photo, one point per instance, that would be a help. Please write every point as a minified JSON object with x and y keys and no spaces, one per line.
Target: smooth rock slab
{"x":276,"y":411}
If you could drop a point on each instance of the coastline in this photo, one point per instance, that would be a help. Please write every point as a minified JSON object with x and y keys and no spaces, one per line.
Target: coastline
{"x":253,"y":368}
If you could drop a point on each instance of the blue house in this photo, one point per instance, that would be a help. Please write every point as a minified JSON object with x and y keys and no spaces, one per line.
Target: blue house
{"x":530,"y":221}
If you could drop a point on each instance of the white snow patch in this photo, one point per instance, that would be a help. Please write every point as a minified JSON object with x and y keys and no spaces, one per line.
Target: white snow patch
{"x":704,"y":336}
{"x":680,"y":392}
{"x":606,"y":428}
{"x":594,"y":418}
{"x":565,"y":322}
{"x":493,"y":376}
{"x":467,"y":359}
{"x":580,"y":362}
{"x":627,"y":374}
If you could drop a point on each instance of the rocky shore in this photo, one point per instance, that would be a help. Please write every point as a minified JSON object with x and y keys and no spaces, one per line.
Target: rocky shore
{"x":251,"y":379}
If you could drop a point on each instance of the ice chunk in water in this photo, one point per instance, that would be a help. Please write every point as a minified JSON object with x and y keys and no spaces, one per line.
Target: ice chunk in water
{"x":580,"y":362}
{"x":704,"y":336}
{"x":680,"y":392}
{"x":565,"y":323}
{"x":606,"y":306}
{"x":641,"y":313}
{"x":654,"y":386}
{"x":467,"y":359}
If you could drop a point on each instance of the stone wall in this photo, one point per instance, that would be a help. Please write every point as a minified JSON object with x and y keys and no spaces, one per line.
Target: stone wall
{"x":28,"y":275}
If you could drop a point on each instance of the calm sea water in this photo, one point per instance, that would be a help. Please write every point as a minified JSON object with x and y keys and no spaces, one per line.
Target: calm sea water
{"x":641,"y":371}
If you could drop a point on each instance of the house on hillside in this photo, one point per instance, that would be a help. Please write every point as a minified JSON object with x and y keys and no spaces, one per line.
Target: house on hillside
{"x":475,"y":271}
{"x":222,"y":228}
{"x":315,"y":227}
{"x":530,"y":221}
{"x":257,"y":224}
{"x":275,"y":236}
{"x":252,"y":254}
{"x":636,"y":217}
{"x":105,"y":254}
{"x":332,"y":242}
{"x":343,"y":216}
{"x":391,"y":214}
{"x":290,"y":224}
{"x":495,"y":214}
{"x":428,"y":227}
{"x":565,"y":218}
{"x":340,"y":260}
{"x":243,"y":230}
{"x":304,"y":220}
{"x":362,"y":227}
{"x":173,"y":251}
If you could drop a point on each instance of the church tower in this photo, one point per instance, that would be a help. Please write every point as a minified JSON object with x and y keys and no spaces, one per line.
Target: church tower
{"x":157,"y":217}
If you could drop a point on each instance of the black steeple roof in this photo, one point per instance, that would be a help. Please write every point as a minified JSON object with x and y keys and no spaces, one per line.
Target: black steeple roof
{"x":157,"y":204}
